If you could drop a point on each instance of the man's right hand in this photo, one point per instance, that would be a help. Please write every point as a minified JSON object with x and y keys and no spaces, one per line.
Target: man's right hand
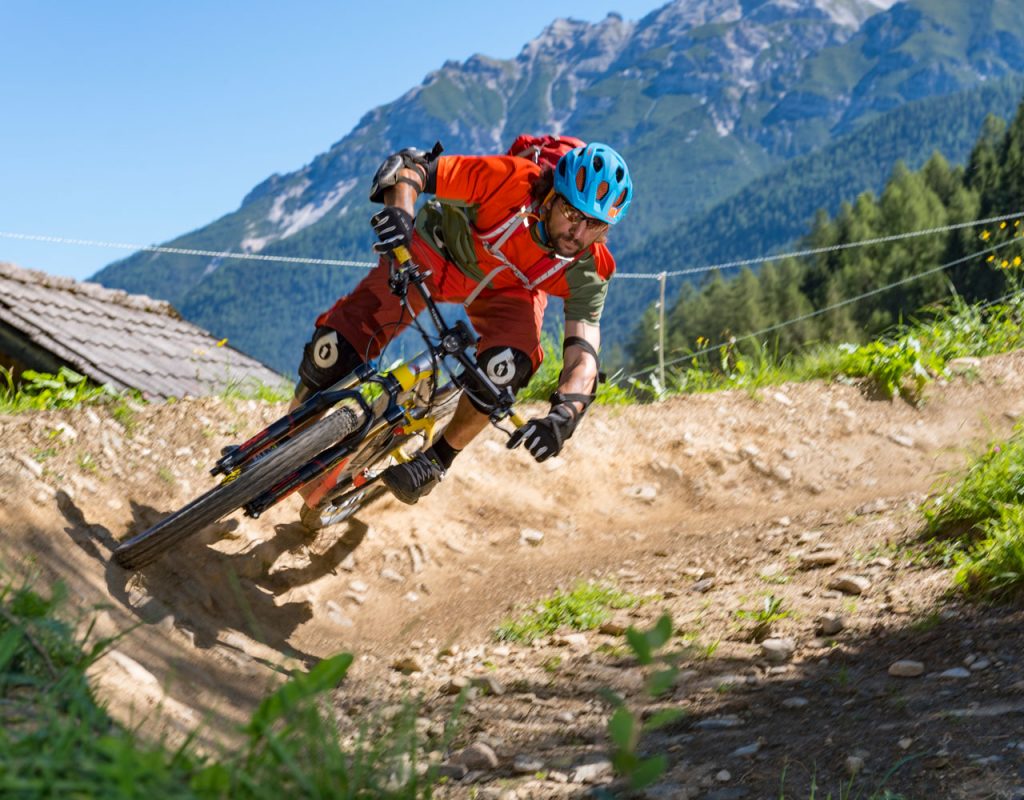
{"x":394,"y":227}
{"x":545,"y":436}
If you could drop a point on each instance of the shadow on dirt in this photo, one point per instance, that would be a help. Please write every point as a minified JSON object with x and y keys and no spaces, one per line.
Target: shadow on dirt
{"x":210,"y":593}
{"x":789,"y":731}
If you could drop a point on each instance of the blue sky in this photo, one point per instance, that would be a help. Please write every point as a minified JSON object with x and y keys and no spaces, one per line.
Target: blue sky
{"x":139,"y":121}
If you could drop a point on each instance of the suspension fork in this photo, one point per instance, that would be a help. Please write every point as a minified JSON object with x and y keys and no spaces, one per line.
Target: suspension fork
{"x":315,"y":468}
{"x":403,"y":378}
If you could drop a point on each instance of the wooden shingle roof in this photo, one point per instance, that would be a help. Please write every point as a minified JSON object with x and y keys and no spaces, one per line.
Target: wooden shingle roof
{"x":129,"y":341}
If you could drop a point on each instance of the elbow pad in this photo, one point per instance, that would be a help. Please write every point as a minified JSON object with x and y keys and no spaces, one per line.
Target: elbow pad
{"x":419,"y":161}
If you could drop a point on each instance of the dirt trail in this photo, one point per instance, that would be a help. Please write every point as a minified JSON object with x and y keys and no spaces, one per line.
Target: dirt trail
{"x":731,"y":487}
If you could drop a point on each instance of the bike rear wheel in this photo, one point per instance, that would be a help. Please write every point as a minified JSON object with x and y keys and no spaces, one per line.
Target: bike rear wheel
{"x":144,"y":548}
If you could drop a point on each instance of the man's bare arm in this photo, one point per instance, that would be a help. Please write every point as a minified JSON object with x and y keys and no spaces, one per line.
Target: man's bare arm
{"x":579,"y":373}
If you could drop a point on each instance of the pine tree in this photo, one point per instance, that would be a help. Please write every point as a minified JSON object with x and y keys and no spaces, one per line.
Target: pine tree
{"x":983,"y":165}
{"x":782,"y":301}
{"x":908,"y":204}
{"x":1009,"y":190}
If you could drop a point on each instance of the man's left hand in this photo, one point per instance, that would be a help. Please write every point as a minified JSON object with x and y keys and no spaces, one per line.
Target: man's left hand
{"x":544,"y":436}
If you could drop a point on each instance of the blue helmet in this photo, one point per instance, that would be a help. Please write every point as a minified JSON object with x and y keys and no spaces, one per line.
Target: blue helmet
{"x":595,"y":180}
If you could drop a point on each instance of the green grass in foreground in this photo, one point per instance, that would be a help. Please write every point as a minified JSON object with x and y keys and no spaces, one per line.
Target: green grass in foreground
{"x":984,"y":511}
{"x":586,"y":607}
{"x":57,"y":742}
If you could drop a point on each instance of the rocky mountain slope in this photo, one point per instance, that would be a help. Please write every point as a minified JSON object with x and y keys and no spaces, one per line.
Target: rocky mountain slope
{"x":702,"y":98}
{"x":707,"y":506}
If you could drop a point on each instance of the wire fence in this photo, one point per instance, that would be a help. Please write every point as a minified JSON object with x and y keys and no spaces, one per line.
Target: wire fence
{"x":650,"y":276}
{"x":184,"y":251}
{"x":896,"y":237}
{"x":818,"y":312}
{"x":658,"y":276}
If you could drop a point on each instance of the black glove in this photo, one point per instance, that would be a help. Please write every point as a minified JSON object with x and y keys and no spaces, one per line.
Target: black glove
{"x":545,"y":436}
{"x":394,"y":228}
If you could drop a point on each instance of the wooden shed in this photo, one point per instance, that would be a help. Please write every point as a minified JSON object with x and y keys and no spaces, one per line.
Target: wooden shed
{"x":112,"y":337}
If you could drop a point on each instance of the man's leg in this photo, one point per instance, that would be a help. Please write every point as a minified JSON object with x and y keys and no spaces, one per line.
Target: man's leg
{"x":417,"y":477}
{"x":355,"y":328}
{"x":465,"y":426}
{"x":509,"y":352}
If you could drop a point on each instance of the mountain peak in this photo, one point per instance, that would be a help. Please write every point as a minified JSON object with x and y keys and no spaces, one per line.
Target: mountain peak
{"x":565,"y":35}
{"x":853,"y":13}
{"x":685,"y":14}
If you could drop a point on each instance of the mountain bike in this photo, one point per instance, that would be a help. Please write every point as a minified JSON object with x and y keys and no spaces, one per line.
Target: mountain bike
{"x":338,"y":441}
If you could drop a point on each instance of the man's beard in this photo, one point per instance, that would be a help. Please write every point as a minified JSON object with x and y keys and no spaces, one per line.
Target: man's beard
{"x":566,"y":246}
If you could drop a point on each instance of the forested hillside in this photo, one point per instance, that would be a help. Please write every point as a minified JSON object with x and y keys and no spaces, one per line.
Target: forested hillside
{"x":991,"y":184}
{"x":775,"y":211}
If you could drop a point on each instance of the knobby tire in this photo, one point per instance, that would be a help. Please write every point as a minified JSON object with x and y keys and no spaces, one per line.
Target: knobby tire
{"x":144,"y":548}
{"x":373,"y":450}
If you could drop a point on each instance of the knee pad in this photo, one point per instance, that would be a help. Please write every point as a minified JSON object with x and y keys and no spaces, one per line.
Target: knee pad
{"x":326,"y":359}
{"x":505,"y":366}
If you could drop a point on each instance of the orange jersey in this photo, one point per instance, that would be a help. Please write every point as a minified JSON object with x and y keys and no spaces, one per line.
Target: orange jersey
{"x":482,"y":221}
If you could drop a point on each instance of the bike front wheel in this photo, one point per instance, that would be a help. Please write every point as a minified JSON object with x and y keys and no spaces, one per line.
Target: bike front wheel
{"x":376,"y":454}
{"x":235,"y":491}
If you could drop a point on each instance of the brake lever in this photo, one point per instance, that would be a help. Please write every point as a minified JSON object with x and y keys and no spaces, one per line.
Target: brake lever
{"x":398,"y":275}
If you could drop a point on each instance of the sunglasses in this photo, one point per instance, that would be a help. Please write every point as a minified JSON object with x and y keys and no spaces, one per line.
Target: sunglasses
{"x":574,"y":216}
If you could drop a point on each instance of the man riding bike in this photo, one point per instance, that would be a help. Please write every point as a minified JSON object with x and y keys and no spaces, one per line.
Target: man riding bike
{"x":502,"y":233}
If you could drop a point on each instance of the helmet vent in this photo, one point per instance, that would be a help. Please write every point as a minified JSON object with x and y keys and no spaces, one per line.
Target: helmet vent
{"x":581,"y":178}
{"x":598,"y":163}
{"x":602,"y":190}
{"x":620,"y":173}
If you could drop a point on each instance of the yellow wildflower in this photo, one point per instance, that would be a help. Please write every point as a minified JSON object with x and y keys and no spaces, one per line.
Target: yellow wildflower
{"x":985,"y":236}
{"x":990,"y":259}
{"x":1017,"y":261}
{"x":222,"y":342}
{"x":1002,"y":225}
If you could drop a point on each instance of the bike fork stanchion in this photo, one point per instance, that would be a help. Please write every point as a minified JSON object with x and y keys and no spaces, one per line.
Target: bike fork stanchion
{"x":290,"y":423}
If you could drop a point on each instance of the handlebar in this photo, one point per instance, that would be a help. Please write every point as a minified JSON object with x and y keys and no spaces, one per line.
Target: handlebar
{"x":454,"y":340}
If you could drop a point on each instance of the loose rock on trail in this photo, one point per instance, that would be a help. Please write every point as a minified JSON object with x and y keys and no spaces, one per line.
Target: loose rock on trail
{"x":807,"y":494}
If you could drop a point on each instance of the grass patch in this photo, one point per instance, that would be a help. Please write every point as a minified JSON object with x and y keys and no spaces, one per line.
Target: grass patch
{"x":56,"y":741}
{"x":850,"y":788}
{"x":994,"y":479}
{"x":585,"y":608}
{"x":250,"y":389}
{"x":994,"y":565}
{"x":764,"y":618}
{"x":981,"y":517}
{"x":38,"y":391}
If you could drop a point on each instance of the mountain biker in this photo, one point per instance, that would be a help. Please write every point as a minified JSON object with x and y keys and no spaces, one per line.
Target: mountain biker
{"x":501,"y":235}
